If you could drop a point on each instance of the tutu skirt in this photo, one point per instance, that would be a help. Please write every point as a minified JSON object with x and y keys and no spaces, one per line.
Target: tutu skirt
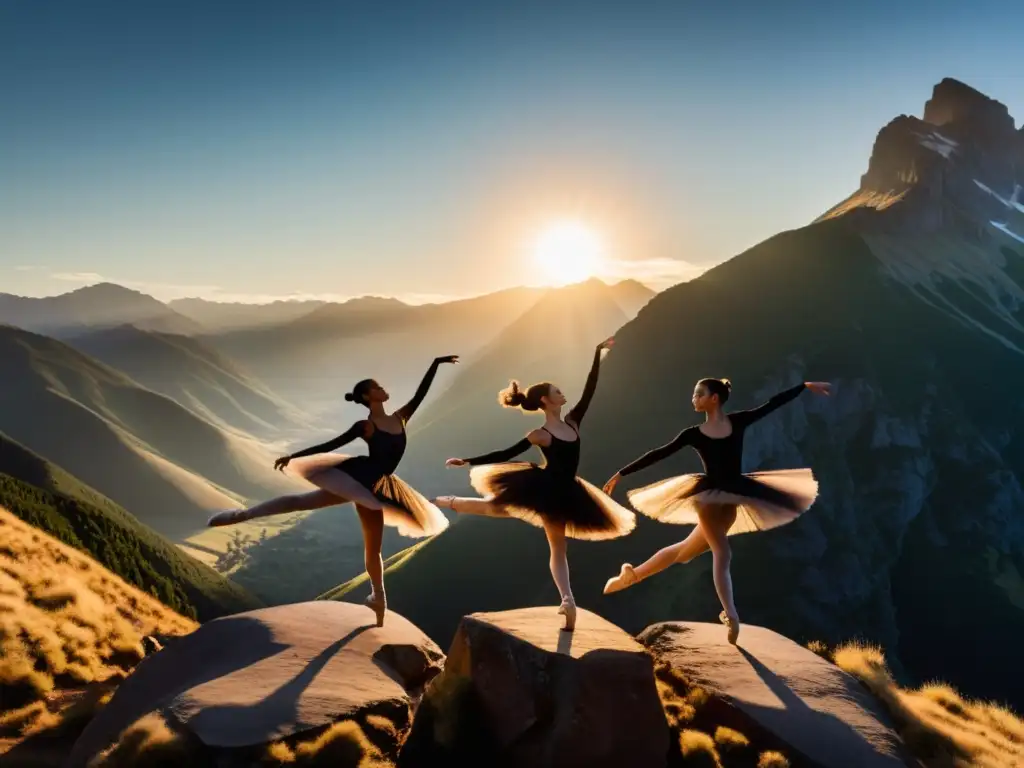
{"x":535,"y":495}
{"x":764,"y":500}
{"x":356,"y":479}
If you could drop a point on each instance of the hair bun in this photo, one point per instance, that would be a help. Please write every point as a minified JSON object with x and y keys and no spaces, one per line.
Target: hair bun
{"x":728,"y":384}
{"x":512,"y":396}
{"x":350,"y":397}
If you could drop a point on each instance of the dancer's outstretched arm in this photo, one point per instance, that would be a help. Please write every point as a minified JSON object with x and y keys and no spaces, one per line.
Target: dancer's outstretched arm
{"x":406,"y":411}
{"x":536,"y":437}
{"x":361,"y":428}
{"x":653,"y":456}
{"x":580,"y":409}
{"x":746,"y":418}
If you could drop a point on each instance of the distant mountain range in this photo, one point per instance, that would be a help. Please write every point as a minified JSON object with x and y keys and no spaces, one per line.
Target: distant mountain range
{"x":909,"y":296}
{"x":195,"y":375}
{"x":140,"y":448}
{"x":219,"y":317}
{"x":103,"y":305}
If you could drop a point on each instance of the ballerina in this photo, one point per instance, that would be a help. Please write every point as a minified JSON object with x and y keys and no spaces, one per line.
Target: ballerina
{"x":722,"y":501}
{"x":380,"y":496}
{"x":551,"y":497}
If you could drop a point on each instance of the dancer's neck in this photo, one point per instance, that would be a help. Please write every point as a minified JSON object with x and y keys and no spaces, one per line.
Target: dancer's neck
{"x":377,"y":409}
{"x":554,"y":416}
{"x":714,"y":417}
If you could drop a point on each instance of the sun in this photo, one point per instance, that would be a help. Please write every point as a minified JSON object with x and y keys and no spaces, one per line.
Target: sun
{"x":568,"y":252}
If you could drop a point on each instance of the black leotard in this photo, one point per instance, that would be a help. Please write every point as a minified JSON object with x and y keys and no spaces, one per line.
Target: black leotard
{"x":561,"y":456}
{"x":722,"y":457}
{"x":385,"y":448}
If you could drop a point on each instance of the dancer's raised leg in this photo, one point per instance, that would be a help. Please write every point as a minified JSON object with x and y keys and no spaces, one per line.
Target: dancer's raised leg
{"x":682,"y":552}
{"x":343,"y":484}
{"x":372,"y":521}
{"x":715,"y":521}
{"x":465,"y":505}
{"x":559,"y":564}
{"x":298,"y":502}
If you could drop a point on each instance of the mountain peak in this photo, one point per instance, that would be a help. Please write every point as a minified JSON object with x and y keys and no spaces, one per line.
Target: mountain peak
{"x":956,"y":170}
{"x":108,"y":290}
{"x":953,"y":101}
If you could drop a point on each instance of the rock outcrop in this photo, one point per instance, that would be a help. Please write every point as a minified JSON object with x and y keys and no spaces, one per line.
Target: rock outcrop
{"x":544,"y":697}
{"x":260,"y":676}
{"x":808,"y":703}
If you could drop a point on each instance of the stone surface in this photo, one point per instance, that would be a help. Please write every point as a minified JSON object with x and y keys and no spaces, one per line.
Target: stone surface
{"x":809,"y":703}
{"x":259,"y":676}
{"x":555,"y":698}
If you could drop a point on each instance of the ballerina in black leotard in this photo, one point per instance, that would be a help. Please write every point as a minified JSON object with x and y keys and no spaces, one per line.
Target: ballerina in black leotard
{"x":381,"y":497}
{"x":722,"y":501}
{"x":551,"y":497}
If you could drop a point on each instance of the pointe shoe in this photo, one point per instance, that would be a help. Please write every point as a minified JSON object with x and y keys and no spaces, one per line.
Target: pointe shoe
{"x":228,"y":517}
{"x":626,"y":578}
{"x":568,"y":609}
{"x":444,"y":502}
{"x":733,"y":624}
{"x":379,"y":605}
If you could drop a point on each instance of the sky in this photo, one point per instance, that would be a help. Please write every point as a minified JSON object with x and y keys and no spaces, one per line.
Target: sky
{"x":254,"y":150}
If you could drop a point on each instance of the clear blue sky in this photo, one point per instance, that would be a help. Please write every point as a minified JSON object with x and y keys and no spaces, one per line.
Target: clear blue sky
{"x":262,"y":149}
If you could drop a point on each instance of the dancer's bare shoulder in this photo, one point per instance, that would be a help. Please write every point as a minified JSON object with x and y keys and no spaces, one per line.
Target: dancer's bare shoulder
{"x":539,"y":436}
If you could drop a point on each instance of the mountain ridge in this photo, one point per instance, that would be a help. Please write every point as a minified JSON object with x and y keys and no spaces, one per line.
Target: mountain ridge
{"x":138,"y":447}
{"x":101,"y":305}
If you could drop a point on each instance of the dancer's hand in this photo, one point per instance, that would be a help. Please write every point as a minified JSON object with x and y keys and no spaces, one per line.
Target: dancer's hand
{"x":819,"y":387}
{"x":609,"y":487}
{"x":281,"y":463}
{"x":607,"y":343}
{"x":455,"y":463}
{"x":454,"y":359}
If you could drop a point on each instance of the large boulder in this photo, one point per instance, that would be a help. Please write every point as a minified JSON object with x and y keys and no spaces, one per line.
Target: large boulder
{"x":544,"y":697}
{"x":264,"y":675}
{"x":808,"y":703}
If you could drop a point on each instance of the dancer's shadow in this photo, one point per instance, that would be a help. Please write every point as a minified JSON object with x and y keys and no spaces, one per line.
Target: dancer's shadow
{"x":223,"y":647}
{"x":821,"y":736}
{"x":280,"y":708}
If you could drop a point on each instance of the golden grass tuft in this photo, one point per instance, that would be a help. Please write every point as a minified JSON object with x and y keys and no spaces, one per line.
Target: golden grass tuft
{"x":384,"y":734}
{"x":343,"y":745}
{"x":730,"y":740}
{"x":939,"y":726}
{"x":62,"y":617}
{"x":698,"y":749}
{"x":28,"y":719}
{"x":150,"y":742}
{"x":772,"y":759}
{"x":820,"y":648}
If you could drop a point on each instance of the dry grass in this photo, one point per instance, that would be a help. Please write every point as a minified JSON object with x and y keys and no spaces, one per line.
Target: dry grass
{"x":66,"y":621}
{"x":693,"y":715}
{"x":698,"y":749}
{"x":772,"y":759}
{"x":728,"y":739}
{"x":343,"y":745}
{"x":940,"y":727}
{"x":149,"y":741}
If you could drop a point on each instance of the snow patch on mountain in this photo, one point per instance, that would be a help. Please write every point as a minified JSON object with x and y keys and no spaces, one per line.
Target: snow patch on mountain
{"x":936,"y":142}
{"x":1003,"y":228}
